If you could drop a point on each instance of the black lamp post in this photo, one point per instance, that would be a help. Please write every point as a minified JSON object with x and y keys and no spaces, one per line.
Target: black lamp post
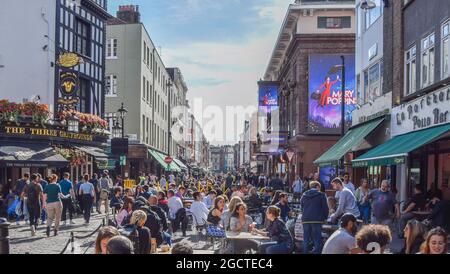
{"x":116,"y":130}
{"x":122,"y":114}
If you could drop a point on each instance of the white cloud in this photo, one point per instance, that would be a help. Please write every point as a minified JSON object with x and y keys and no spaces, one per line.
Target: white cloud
{"x":235,"y":67}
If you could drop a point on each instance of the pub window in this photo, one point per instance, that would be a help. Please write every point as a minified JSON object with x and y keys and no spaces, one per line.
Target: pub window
{"x":410,"y":71}
{"x":111,"y":48}
{"x":82,"y":45}
{"x":445,"y":50}
{"x":427,"y":71}
{"x":111,"y":85}
{"x":84,"y":92}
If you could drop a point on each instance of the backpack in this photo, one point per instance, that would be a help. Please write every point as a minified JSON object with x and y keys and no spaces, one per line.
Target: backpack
{"x":130,"y":231}
{"x":32,"y":193}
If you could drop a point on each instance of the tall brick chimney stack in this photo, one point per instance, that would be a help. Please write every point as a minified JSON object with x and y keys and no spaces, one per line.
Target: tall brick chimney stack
{"x":129,"y":14}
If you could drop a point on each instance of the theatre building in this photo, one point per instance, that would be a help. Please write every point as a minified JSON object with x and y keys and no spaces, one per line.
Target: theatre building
{"x":52,"y":71}
{"x":419,"y":148}
{"x":306,"y":63}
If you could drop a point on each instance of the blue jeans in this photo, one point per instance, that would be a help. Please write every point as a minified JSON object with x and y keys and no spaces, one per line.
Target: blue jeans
{"x":365,"y":212}
{"x":275,"y":248}
{"x":312,"y":232}
{"x":167,"y":238}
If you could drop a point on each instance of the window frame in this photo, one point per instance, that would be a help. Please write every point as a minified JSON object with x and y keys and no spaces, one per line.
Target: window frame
{"x":111,"y":88}
{"x":411,"y":60}
{"x":427,"y":49}
{"x":445,"y":37}
{"x":86,"y":38}
{"x":112,"y":45}
{"x":368,"y":21}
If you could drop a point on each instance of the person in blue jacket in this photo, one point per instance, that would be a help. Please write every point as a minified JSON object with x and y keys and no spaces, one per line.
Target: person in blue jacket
{"x":314,"y":213}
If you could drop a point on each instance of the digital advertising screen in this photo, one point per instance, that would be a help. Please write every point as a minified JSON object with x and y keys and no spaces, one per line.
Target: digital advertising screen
{"x":327,"y":174}
{"x":268,"y":94}
{"x":325,"y":96}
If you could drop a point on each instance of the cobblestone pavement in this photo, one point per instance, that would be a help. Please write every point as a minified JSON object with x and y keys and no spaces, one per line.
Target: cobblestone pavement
{"x":21,"y":241}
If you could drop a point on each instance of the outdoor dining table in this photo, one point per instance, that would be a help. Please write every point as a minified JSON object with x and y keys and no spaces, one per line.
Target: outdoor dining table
{"x":245,"y":236}
{"x":238,"y":236}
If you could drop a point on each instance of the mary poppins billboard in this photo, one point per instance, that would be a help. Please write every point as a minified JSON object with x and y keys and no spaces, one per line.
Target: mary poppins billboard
{"x":325,"y":97}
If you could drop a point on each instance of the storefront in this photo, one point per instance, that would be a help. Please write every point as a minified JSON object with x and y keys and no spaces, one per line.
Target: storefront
{"x":419,"y":149}
{"x":30,"y":142}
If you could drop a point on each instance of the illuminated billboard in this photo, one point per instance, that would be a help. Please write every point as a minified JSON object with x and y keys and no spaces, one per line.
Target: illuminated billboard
{"x":268,"y":94}
{"x":324,"y":93}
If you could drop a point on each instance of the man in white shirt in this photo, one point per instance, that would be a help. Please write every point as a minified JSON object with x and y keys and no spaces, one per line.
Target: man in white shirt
{"x":199,"y":209}
{"x":347,"y":184}
{"x":174,"y":203}
{"x":343,"y":240}
{"x":171,"y":178}
{"x":177,"y":212}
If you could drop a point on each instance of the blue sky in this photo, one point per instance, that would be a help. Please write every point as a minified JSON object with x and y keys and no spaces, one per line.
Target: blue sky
{"x":222,"y":47}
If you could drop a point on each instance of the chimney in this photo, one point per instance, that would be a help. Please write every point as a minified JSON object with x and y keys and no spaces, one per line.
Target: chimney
{"x":129,"y":14}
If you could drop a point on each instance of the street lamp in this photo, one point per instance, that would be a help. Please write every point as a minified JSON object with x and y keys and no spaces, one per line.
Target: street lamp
{"x":73,"y":123}
{"x":117,"y":130}
{"x":368,"y":5}
{"x":122,"y":114}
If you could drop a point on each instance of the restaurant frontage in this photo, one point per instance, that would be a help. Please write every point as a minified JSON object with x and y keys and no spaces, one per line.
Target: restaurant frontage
{"x":31,"y":142}
{"x":419,"y":150}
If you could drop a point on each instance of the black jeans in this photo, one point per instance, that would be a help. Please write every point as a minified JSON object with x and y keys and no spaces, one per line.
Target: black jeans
{"x":67,"y":206}
{"x":87,"y":206}
{"x":180,"y":217}
{"x":34,"y":210}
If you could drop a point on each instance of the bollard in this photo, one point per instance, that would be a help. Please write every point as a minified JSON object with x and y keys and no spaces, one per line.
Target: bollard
{"x":72,"y":243}
{"x":4,"y":236}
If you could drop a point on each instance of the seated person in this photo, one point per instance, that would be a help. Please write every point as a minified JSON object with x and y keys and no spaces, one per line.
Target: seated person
{"x":416,"y":203}
{"x":440,"y":211}
{"x":116,"y":201}
{"x":373,"y":239}
{"x":120,"y":245}
{"x":153,"y":205}
{"x":177,"y":213}
{"x":281,"y":239}
{"x":241,"y":222}
{"x":284,"y":207}
{"x":342,"y":241}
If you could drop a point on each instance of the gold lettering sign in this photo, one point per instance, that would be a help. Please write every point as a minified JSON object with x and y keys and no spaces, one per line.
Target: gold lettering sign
{"x":48,"y":132}
{"x":69,"y":60}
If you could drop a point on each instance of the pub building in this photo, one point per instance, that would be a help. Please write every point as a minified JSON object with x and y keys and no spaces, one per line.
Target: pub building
{"x":51,"y":121}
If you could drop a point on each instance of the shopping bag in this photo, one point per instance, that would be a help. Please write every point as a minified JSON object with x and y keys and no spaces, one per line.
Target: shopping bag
{"x":18,"y":208}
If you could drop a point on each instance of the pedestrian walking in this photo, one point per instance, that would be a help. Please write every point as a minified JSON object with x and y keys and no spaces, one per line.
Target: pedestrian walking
{"x":53,"y":204}
{"x":346,"y":201}
{"x":69,"y":194}
{"x":87,"y":194}
{"x":43,"y":184}
{"x":105,"y":185}
{"x":33,"y":195}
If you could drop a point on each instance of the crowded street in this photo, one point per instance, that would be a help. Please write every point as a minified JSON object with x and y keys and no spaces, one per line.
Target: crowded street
{"x":243,"y":128}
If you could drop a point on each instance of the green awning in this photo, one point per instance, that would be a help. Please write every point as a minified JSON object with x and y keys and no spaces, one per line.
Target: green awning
{"x":350,"y":141}
{"x":159,"y":157}
{"x":396,"y":150}
{"x":180,"y":164}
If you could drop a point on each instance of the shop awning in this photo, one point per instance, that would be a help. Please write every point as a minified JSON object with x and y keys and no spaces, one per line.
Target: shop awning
{"x":30,"y":155}
{"x":350,"y":141}
{"x":180,"y":164}
{"x":98,"y":153}
{"x":159,"y":157}
{"x":396,"y":150}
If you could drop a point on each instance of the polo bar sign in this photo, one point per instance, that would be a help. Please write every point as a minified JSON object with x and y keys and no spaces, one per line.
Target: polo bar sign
{"x":26,"y":131}
{"x":427,"y":111}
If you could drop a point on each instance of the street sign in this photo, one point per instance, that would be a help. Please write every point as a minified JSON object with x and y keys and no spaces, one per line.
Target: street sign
{"x":168,"y":160}
{"x":290,"y":154}
{"x":123,"y":160}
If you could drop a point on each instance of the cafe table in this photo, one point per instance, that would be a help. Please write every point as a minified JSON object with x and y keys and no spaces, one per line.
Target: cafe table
{"x":245,"y":236}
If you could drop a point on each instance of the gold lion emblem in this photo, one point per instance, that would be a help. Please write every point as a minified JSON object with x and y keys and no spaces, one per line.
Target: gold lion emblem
{"x":69,"y":60}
